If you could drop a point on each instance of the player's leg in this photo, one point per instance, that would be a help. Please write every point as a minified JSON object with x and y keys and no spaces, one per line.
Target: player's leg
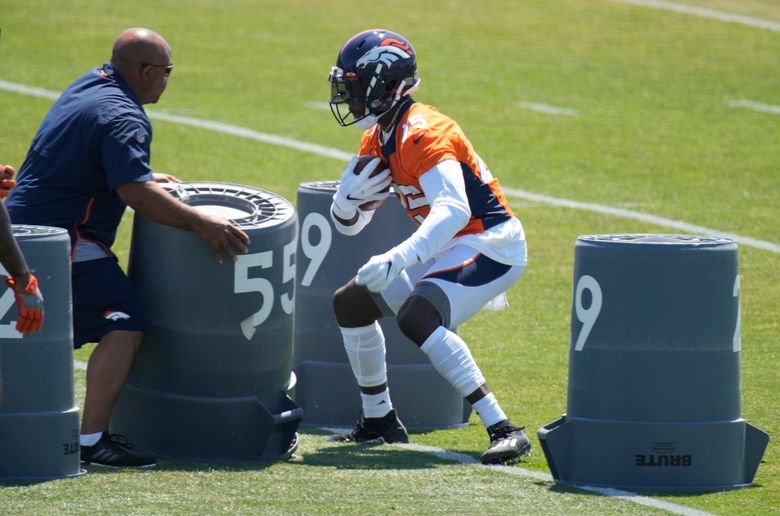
{"x":106,"y":311}
{"x":452,"y":291}
{"x":357,"y":313}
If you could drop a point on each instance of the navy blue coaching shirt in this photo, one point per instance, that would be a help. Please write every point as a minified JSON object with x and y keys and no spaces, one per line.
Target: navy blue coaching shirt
{"x":95,"y":138}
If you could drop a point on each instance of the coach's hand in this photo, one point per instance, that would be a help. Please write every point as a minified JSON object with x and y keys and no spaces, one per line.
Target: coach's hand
{"x":29,"y":301}
{"x":152,"y":201}
{"x":162,"y":177}
{"x":379,"y":271}
{"x":221,"y":236}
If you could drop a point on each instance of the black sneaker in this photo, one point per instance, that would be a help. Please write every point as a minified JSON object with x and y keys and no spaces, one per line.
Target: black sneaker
{"x":114,"y":450}
{"x":507,"y":443}
{"x":375,"y":430}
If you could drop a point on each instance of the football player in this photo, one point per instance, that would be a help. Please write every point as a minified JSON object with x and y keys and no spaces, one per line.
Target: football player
{"x":468,"y":249}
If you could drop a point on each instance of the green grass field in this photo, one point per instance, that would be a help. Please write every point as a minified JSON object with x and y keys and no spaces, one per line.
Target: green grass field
{"x":654,"y":132}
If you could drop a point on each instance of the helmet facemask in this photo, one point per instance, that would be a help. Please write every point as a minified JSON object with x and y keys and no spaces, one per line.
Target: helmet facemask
{"x":347,"y":90}
{"x":367,"y":100}
{"x":368,"y":80}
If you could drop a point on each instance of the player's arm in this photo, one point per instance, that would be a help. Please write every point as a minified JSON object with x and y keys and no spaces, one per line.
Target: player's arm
{"x":445,"y":189}
{"x":28,"y":298}
{"x":150,"y":200}
{"x":354,"y":225}
{"x":10,"y":254}
{"x":354,"y":190}
{"x":443,"y":185}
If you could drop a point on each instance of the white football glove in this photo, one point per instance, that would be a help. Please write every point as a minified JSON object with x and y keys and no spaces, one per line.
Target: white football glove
{"x":380,"y":270}
{"x":355,"y":190}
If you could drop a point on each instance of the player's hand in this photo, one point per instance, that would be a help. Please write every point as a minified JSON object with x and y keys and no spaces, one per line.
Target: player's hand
{"x":367,"y":187}
{"x":379,"y":271}
{"x":7,"y":180}
{"x":29,"y":301}
{"x":221,"y":236}
{"x":356,"y":189}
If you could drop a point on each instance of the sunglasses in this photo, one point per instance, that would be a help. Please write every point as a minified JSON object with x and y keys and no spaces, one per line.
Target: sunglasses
{"x":168,"y":68}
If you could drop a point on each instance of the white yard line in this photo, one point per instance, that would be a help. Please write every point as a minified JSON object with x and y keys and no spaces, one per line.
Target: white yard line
{"x":340,"y":155}
{"x":31,"y":91}
{"x":703,"y":12}
{"x":548,"y":109}
{"x":642,"y":217}
{"x":644,"y":500}
{"x":243,"y":132}
{"x":755,"y":106}
{"x":321,"y":106}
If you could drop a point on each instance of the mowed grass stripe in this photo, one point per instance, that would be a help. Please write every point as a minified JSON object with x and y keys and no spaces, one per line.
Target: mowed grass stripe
{"x":330,"y":152}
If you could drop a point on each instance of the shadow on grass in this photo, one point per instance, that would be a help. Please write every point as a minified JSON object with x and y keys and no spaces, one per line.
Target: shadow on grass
{"x":191,"y":465}
{"x":370,"y":457}
{"x":164,"y":464}
{"x":198,"y":464}
{"x":347,"y":456}
{"x":27,"y":482}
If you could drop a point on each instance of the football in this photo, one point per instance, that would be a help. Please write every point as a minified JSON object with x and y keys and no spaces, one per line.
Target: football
{"x":362,"y":162}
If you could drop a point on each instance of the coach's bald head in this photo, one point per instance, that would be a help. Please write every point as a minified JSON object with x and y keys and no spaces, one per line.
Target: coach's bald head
{"x":143,"y":60}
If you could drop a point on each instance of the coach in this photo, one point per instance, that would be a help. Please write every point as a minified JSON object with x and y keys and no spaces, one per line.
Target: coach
{"x":90,"y":159}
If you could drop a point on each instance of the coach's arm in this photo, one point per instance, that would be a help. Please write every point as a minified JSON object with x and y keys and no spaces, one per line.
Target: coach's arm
{"x":150,"y":200}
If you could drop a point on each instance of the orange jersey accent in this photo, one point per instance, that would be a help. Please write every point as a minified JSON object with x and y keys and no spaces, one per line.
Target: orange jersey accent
{"x":422,"y":138}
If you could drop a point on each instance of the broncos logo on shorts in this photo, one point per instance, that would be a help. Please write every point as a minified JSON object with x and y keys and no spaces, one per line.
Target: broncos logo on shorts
{"x":115,"y":316}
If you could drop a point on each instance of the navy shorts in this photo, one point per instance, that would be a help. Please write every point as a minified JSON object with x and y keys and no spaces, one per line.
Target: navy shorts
{"x":103,"y":301}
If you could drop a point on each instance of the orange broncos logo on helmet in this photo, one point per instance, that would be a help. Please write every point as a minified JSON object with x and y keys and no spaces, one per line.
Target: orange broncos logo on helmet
{"x":398,"y":44}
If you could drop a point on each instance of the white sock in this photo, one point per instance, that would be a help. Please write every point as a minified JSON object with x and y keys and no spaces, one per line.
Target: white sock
{"x":489,"y":411}
{"x":376,"y":405}
{"x":90,"y":439}
{"x":452,"y":359}
{"x":365,"y":348}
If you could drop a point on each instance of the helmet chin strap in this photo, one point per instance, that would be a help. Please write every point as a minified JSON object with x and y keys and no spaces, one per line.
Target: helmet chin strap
{"x":368,"y":120}
{"x":400,"y":92}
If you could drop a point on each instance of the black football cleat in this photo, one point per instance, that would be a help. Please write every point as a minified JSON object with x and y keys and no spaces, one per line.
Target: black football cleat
{"x":375,"y":430}
{"x":507,"y":443}
{"x":114,"y":451}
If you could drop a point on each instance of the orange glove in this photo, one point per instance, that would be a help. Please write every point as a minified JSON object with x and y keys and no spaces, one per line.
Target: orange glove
{"x":30,"y":304}
{"x":6,"y":180}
